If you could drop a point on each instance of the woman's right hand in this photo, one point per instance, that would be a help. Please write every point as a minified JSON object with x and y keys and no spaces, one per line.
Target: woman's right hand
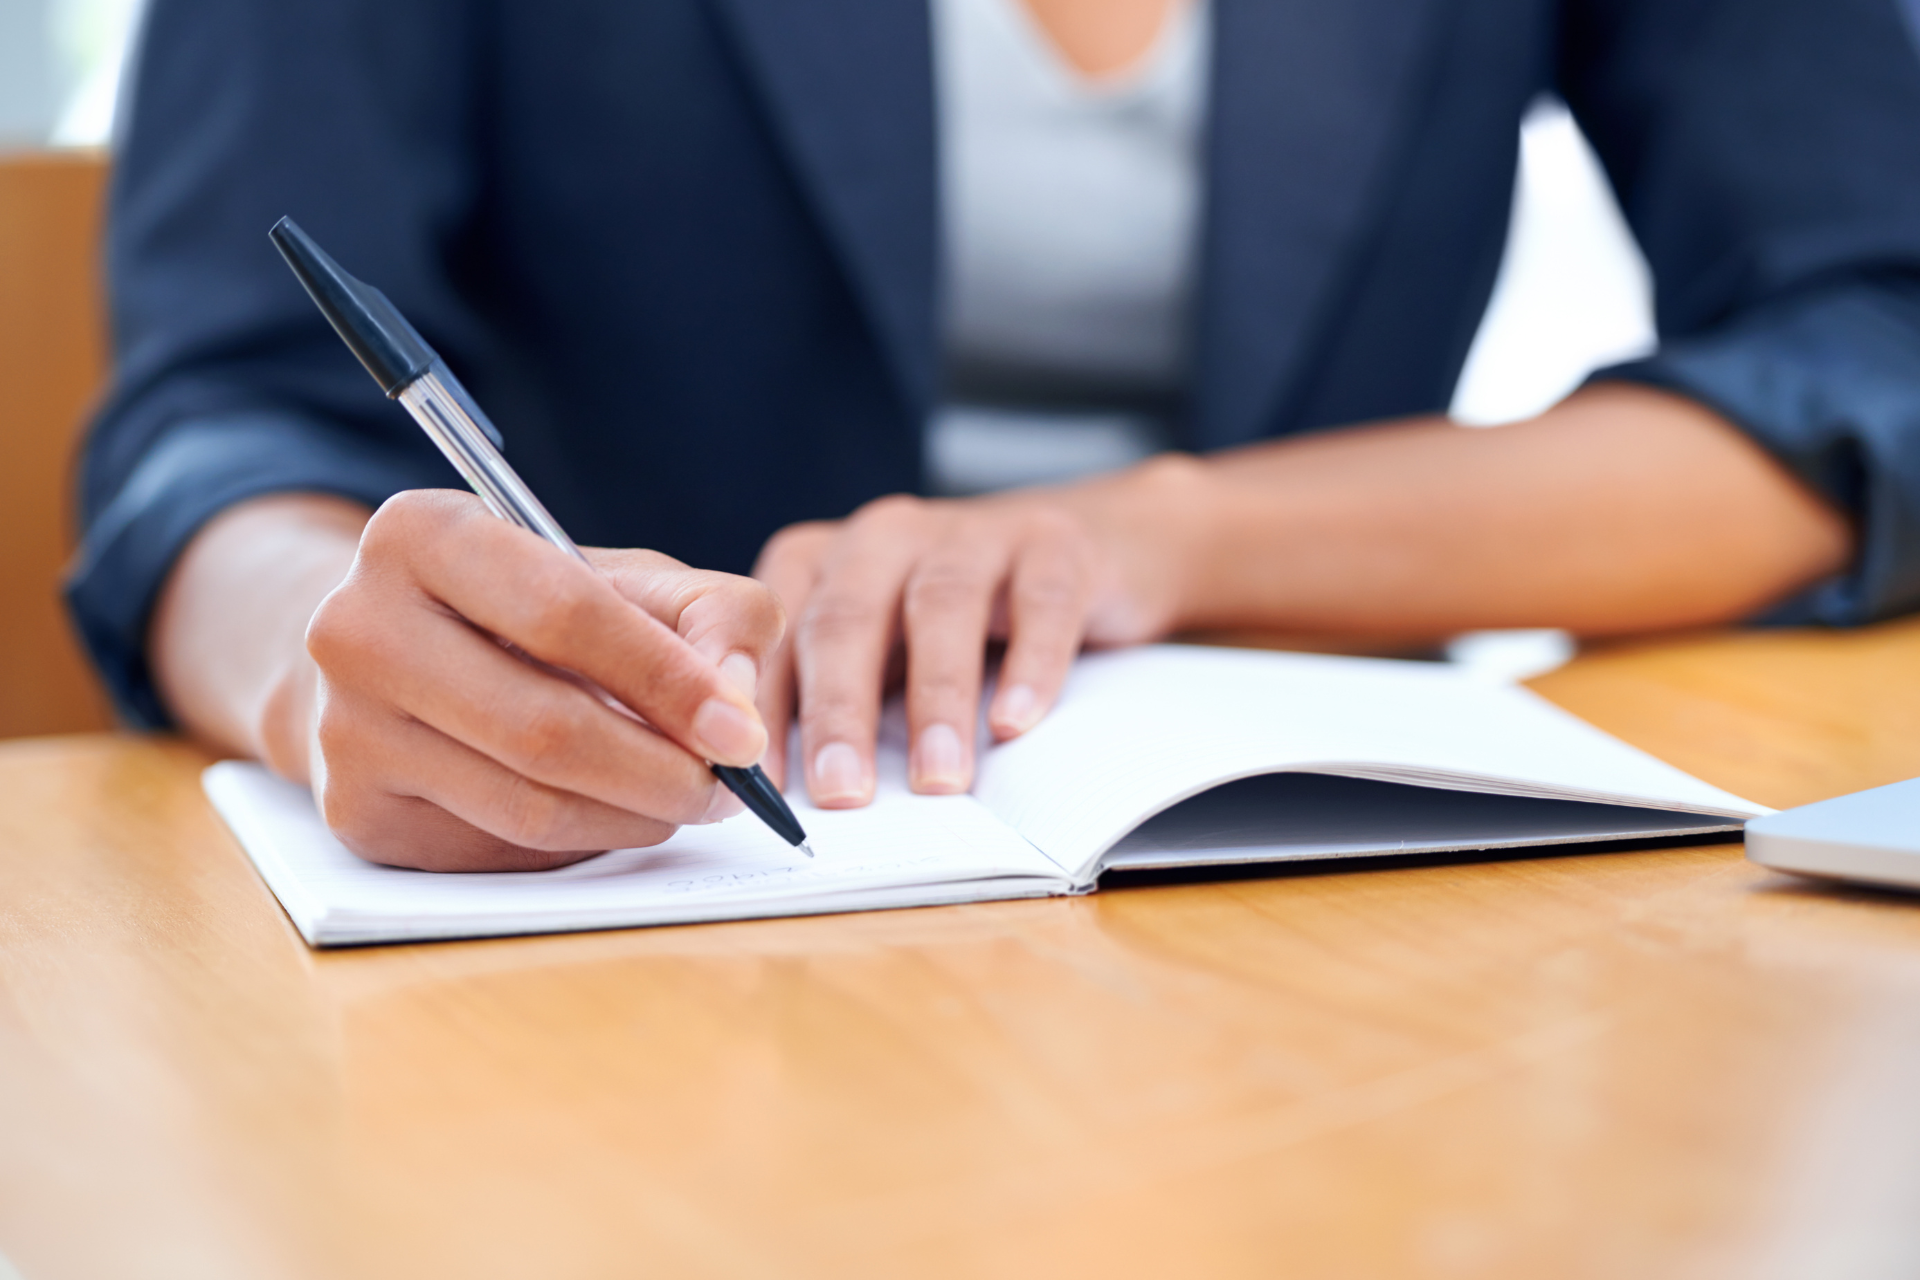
{"x":429,"y":744}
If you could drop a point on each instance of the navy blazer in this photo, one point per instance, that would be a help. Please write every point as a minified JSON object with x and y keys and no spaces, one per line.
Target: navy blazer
{"x":685,"y":251}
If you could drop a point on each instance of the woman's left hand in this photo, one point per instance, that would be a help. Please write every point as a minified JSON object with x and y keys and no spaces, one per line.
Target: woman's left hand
{"x":931,"y":582}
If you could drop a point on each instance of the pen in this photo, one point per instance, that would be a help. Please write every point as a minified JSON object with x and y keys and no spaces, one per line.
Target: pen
{"x":410,"y":371}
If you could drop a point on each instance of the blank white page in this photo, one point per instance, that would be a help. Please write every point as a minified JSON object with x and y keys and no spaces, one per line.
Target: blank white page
{"x":903,"y":850}
{"x":1141,"y":729}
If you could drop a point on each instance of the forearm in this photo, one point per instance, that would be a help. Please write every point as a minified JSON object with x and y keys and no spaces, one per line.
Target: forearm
{"x":228,"y":635}
{"x":1623,"y":509}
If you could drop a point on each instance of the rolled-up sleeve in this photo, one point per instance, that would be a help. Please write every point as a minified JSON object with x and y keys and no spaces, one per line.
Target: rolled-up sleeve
{"x":1767,"y":155}
{"x":228,"y":384}
{"x":1829,"y":384}
{"x":196,"y":470}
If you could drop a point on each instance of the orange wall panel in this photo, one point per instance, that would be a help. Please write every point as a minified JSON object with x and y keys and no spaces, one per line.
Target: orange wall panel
{"x":53,"y":362}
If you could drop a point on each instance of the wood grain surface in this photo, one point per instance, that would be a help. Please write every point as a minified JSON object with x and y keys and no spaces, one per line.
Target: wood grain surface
{"x":1646,"y":1064}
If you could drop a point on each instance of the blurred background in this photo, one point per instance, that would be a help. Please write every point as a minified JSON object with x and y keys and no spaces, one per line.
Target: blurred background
{"x":1573,"y":295}
{"x":59,"y":72}
{"x":60,"y":68}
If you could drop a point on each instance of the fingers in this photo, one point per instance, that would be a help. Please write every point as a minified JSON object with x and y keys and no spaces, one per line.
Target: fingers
{"x":1041,"y":561}
{"x":775,"y":700}
{"x":404,"y":794}
{"x":437,"y":747}
{"x":788,"y":566}
{"x":945,"y":608}
{"x":436,"y":669}
{"x":510,"y":583}
{"x":932,"y":572}
{"x":1048,"y":601}
{"x":841,"y":642}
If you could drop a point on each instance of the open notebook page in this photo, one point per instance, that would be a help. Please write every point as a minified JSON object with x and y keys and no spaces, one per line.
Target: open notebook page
{"x":903,"y":850}
{"x":1140,"y":730}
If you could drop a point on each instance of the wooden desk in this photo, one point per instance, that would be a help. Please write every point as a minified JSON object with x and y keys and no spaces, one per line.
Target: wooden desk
{"x":1665,"y":1064}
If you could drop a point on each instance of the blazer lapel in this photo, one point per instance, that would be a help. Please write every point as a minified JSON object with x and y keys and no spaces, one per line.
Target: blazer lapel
{"x":1310,"y":100}
{"x":849,"y":84}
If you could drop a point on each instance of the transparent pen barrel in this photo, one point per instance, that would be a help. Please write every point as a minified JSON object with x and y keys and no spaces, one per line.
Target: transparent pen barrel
{"x":436,"y":404}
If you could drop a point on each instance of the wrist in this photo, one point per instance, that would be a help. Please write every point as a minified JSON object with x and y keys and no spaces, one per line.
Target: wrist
{"x":1157,"y":518}
{"x":1221,"y":533}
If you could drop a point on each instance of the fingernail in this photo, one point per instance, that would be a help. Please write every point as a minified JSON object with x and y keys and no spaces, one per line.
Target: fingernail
{"x":727,"y":733}
{"x":939,"y":762}
{"x":839,"y":775}
{"x":740,"y":670}
{"x":723,"y":805}
{"x":1017,"y":709}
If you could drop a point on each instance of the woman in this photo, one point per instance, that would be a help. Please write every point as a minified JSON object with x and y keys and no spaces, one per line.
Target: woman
{"x":714,"y":265}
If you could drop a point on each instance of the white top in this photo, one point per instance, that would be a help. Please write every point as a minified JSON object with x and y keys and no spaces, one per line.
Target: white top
{"x":1071,"y":212}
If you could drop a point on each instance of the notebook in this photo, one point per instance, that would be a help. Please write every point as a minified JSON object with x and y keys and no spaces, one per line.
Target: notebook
{"x":1162,"y":756}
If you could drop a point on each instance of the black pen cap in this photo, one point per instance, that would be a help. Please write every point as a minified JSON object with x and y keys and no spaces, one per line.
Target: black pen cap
{"x":392,"y":350}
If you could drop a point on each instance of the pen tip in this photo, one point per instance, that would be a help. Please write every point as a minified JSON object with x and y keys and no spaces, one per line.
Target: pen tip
{"x":806,"y":848}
